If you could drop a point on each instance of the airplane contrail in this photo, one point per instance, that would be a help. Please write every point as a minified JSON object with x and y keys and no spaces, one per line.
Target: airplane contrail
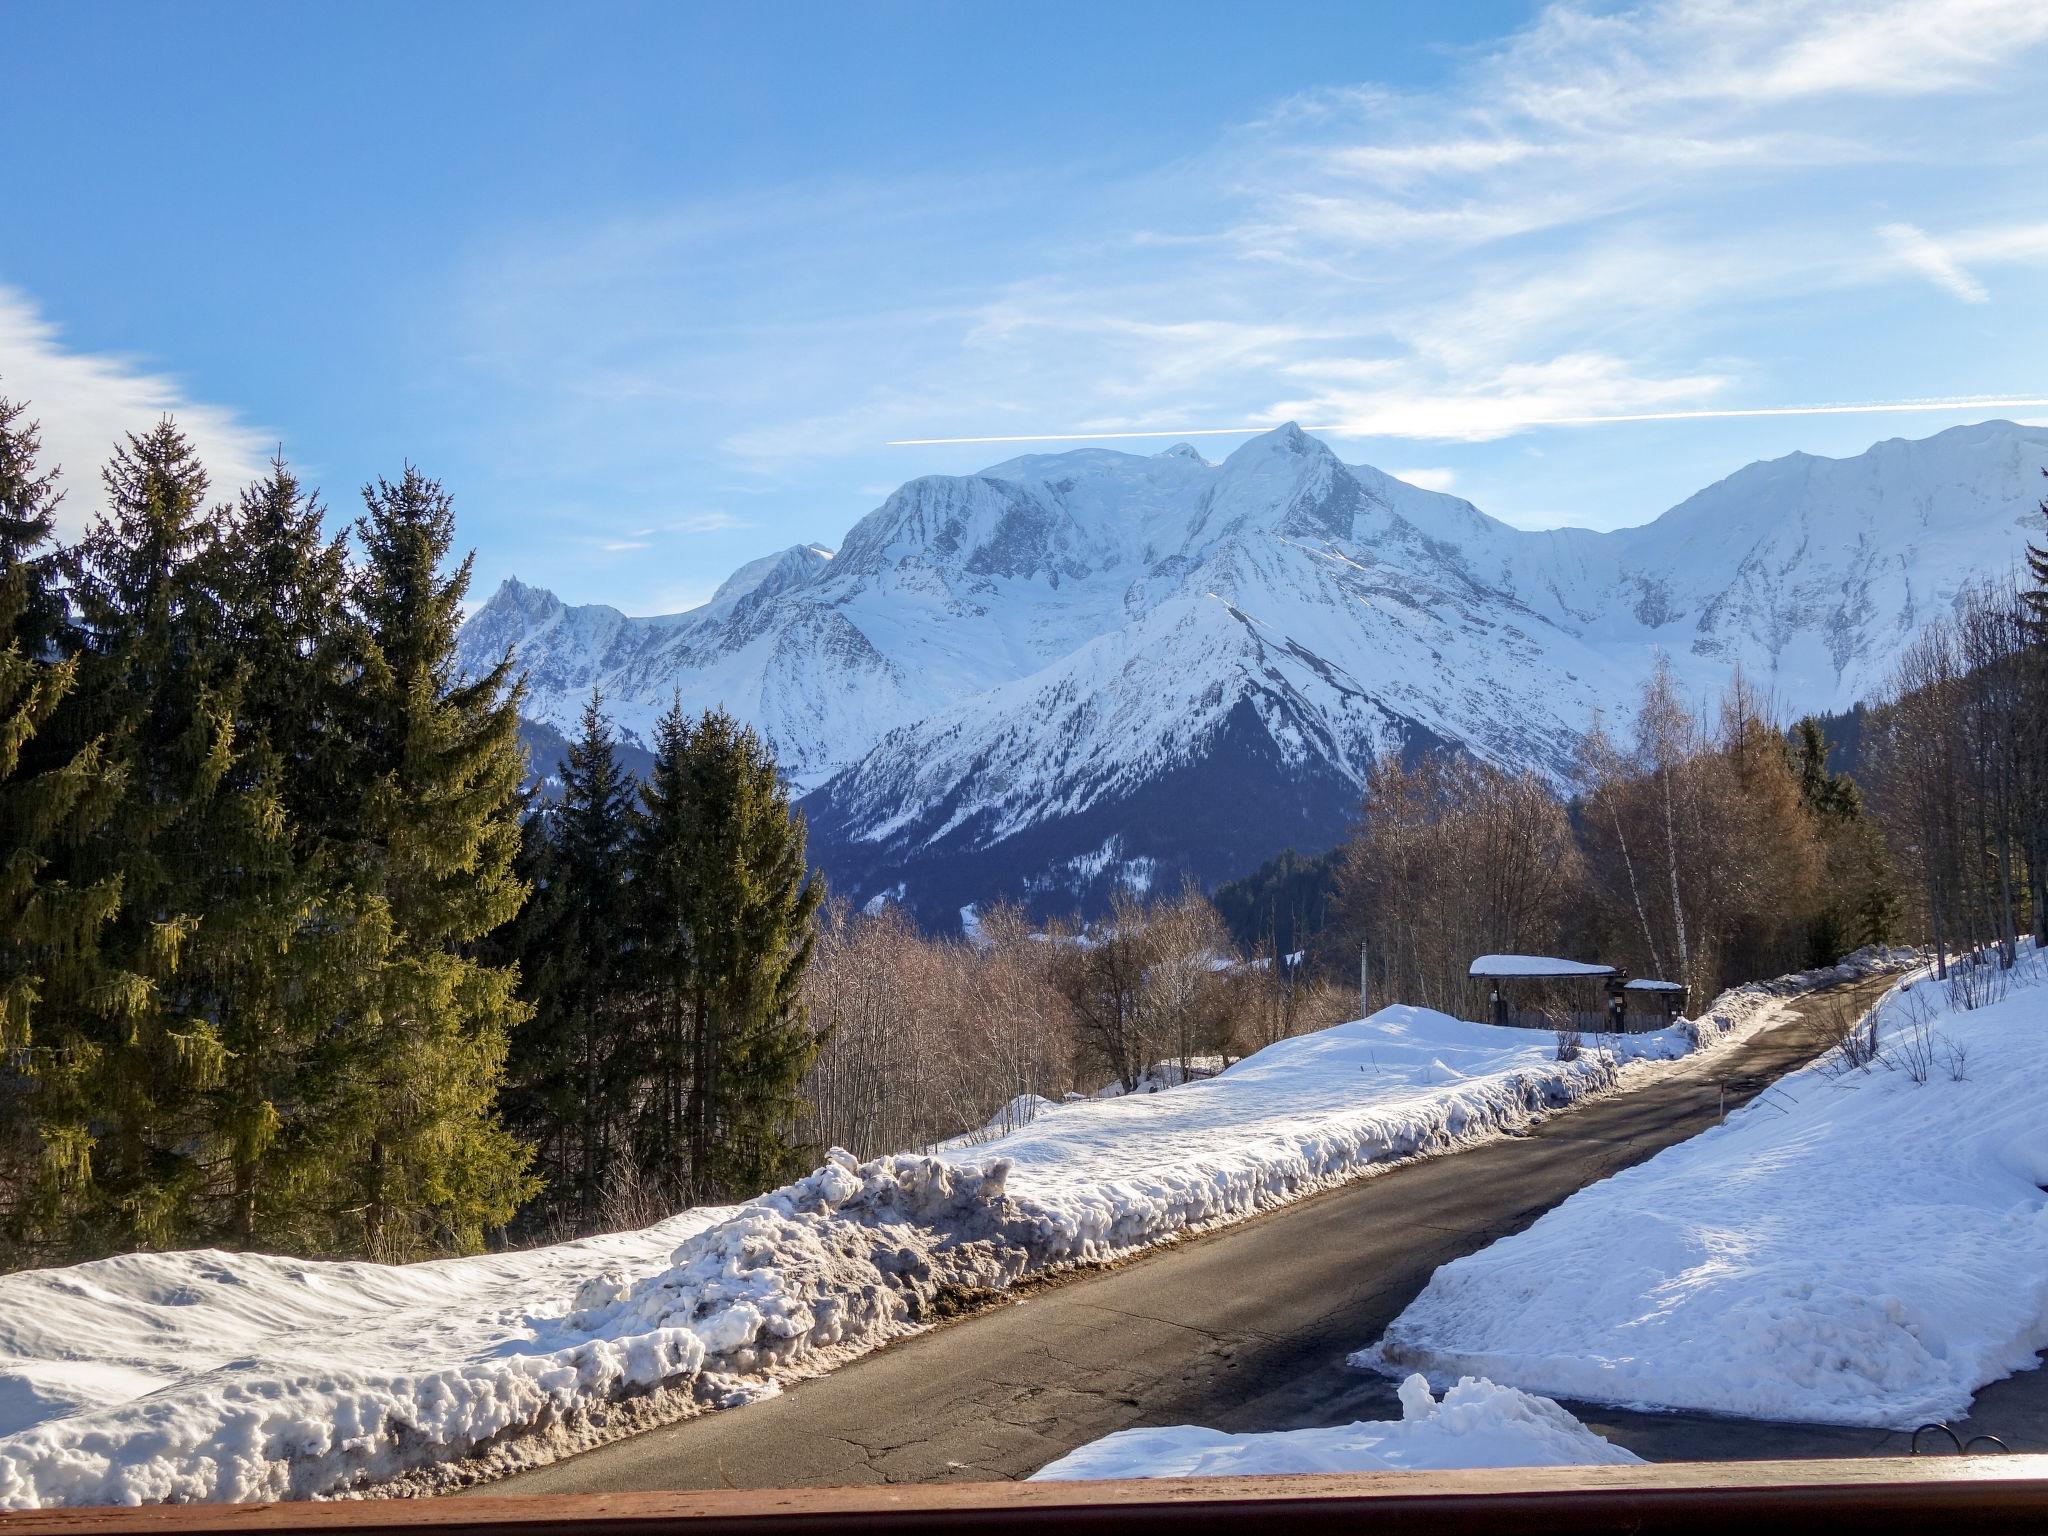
{"x":1863,"y":408}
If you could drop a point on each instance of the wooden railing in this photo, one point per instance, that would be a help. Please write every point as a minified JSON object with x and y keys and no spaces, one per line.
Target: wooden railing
{"x":1929,"y":1496}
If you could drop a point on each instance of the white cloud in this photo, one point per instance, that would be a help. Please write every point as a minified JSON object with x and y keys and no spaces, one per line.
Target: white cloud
{"x":1650,"y":213}
{"x":715,"y":521}
{"x":84,"y":401}
{"x":1428,"y":479}
{"x":2002,"y":243}
{"x":1550,"y":239}
{"x":1932,"y":261}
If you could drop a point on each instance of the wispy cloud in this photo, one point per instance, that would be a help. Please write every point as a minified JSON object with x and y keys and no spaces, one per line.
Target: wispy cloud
{"x":1927,"y":256}
{"x":1461,"y":421}
{"x":1678,"y":211}
{"x":84,"y":401}
{"x":715,"y":521}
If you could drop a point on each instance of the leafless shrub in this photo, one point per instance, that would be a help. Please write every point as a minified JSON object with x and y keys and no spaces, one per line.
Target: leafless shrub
{"x":629,"y":1201}
{"x":1851,"y":1037}
{"x":1977,"y":980}
{"x":1912,"y":1051}
{"x":1954,"y":1058}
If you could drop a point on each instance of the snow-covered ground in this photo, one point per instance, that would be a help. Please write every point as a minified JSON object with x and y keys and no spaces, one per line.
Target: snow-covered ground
{"x":231,"y":1376}
{"x":1476,"y":1424}
{"x":1857,"y":1246}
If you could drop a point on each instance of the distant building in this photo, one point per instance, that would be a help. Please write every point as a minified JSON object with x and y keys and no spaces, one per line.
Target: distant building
{"x":1544,"y":992}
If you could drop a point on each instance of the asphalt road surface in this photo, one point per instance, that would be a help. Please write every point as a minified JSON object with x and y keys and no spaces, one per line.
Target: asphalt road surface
{"x":1244,"y":1328}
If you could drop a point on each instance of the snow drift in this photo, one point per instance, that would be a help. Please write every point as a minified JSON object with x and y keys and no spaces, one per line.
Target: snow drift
{"x":232,"y":1376}
{"x":1855,"y":1247}
{"x":1477,"y":1424}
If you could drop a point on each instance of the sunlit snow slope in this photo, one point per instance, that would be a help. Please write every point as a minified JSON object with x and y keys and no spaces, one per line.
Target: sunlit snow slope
{"x":1082,"y":668}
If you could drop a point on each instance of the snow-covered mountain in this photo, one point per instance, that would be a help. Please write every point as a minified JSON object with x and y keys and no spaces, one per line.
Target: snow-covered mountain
{"x":1077,"y":668}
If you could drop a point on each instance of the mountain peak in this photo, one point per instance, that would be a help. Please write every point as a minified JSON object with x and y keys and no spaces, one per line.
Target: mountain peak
{"x":1284,"y":481}
{"x":770,"y":574}
{"x":516,"y":597}
{"x":1181,"y":451}
{"x":1288,"y":436}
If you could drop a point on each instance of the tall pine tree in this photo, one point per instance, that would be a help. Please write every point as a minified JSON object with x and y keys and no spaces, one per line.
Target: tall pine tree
{"x":157,"y":689}
{"x":52,"y":797}
{"x":572,"y":1064}
{"x":288,"y":941}
{"x":1861,"y":905}
{"x":663,"y":957}
{"x":440,"y":763}
{"x":722,"y":853}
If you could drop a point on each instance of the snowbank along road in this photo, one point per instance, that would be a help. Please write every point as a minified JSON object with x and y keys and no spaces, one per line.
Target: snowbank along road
{"x":1247,"y":1328}
{"x":1865,"y":1245}
{"x":212,"y":1376}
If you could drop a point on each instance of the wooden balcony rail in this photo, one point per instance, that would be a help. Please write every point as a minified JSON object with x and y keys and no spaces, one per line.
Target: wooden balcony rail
{"x":1927,"y":1496}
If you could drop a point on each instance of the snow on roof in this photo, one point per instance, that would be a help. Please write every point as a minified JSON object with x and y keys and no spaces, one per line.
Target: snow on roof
{"x":1509,"y":967}
{"x":1647,"y":984}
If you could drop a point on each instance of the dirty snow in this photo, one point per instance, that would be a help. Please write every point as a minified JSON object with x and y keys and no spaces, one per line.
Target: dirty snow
{"x":1476,"y":1424}
{"x":1856,"y":1246}
{"x":234,"y":1376}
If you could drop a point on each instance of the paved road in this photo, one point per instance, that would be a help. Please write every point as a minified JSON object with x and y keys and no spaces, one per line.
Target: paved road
{"x":1246,"y":1328}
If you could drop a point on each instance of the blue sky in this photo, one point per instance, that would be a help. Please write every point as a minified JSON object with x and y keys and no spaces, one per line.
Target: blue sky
{"x":655,"y":288}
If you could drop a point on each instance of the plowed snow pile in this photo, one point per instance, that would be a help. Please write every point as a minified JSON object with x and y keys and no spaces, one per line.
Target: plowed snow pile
{"x":1477,"y":1424}
{"x":1858,"y":1246}
{"x":236,"y":1376}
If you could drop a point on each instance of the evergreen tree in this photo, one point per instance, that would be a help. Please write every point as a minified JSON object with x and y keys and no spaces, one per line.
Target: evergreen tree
{"x":156,"y":688}
{"x":572,"y":1066}
{"x":663,"y":955}
{"x":1828,"y":795}
{"x":51,"y":798}
{"x":724,"y":853}
{"x":1859,"y":902}
{"x":287,"y":942}
{"x":440,"y":765}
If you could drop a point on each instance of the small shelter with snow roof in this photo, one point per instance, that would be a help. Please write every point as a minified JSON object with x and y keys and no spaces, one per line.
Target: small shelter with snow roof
{"x":1652,"y":1004}
{"x":1543,"y":992}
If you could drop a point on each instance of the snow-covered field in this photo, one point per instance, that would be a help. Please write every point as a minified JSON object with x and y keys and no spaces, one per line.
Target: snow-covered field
{"x":1857,"y":1246}
{"x":1475,"y":1424}
{"x":230,"y":1376}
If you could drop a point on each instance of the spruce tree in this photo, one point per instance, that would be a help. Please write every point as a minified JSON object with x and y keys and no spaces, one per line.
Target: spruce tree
{"x":726,"y":853}
{"x":1859,"y":904}
{"x":439,"y":759}
{"x":287,"y":942}
{"x":157,"y":689}
{"x":572,"y":1068}
{"x":1823,"y":792}
{"x":662,"y":958}
{"x":52,"y":798}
